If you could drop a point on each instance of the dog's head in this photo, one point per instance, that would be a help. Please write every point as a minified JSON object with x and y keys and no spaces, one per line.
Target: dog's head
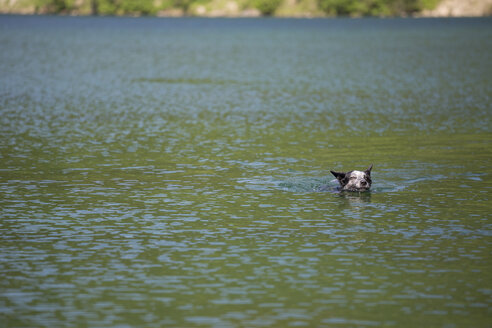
{"x":354,"y":180}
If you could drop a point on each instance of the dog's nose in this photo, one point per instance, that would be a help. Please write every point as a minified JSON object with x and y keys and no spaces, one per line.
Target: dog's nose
{"x":363,"y":183}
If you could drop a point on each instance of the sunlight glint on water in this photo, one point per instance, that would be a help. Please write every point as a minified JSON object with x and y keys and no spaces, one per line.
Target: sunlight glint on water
{"x":167,"y":172}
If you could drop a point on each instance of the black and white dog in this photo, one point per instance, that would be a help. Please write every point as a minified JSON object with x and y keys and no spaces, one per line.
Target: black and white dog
{"x":354,"y":180}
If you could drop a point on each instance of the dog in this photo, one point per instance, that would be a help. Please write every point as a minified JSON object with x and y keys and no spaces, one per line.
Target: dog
{"x":354,"y":180}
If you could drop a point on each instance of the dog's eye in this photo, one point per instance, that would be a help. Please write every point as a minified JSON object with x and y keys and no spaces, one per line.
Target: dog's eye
{"x":353,"y":178}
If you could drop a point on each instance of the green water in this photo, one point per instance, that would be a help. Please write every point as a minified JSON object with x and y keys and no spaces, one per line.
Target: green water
{"x":166,"y":172}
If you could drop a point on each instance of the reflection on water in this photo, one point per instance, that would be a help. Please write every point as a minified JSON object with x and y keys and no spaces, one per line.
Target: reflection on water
{"x":175,"y":172}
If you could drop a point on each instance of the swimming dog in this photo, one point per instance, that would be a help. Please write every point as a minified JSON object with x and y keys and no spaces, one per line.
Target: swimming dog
{"x":354,"y":180}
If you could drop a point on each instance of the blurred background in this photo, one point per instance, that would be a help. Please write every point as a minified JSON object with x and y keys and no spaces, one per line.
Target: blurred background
{"x":252,"y":8}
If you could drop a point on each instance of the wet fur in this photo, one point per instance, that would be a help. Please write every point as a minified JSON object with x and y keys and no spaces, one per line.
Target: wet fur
{"x":354,"y":180}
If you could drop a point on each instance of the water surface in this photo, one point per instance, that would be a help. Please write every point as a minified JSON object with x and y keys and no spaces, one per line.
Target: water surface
{"x":166,"y":172}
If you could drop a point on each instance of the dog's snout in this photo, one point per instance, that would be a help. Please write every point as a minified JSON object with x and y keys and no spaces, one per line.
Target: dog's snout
{"x":363,"y":183}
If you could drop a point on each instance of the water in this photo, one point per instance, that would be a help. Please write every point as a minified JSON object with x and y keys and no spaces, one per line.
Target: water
{"x":166,"y":172}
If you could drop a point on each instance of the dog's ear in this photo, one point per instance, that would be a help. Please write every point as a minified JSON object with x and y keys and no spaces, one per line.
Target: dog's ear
{"x":368,"y":171}
{"x":338,"y":175}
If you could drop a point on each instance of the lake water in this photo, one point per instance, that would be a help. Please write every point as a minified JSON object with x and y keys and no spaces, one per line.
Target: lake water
{"x":167,"y":172}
